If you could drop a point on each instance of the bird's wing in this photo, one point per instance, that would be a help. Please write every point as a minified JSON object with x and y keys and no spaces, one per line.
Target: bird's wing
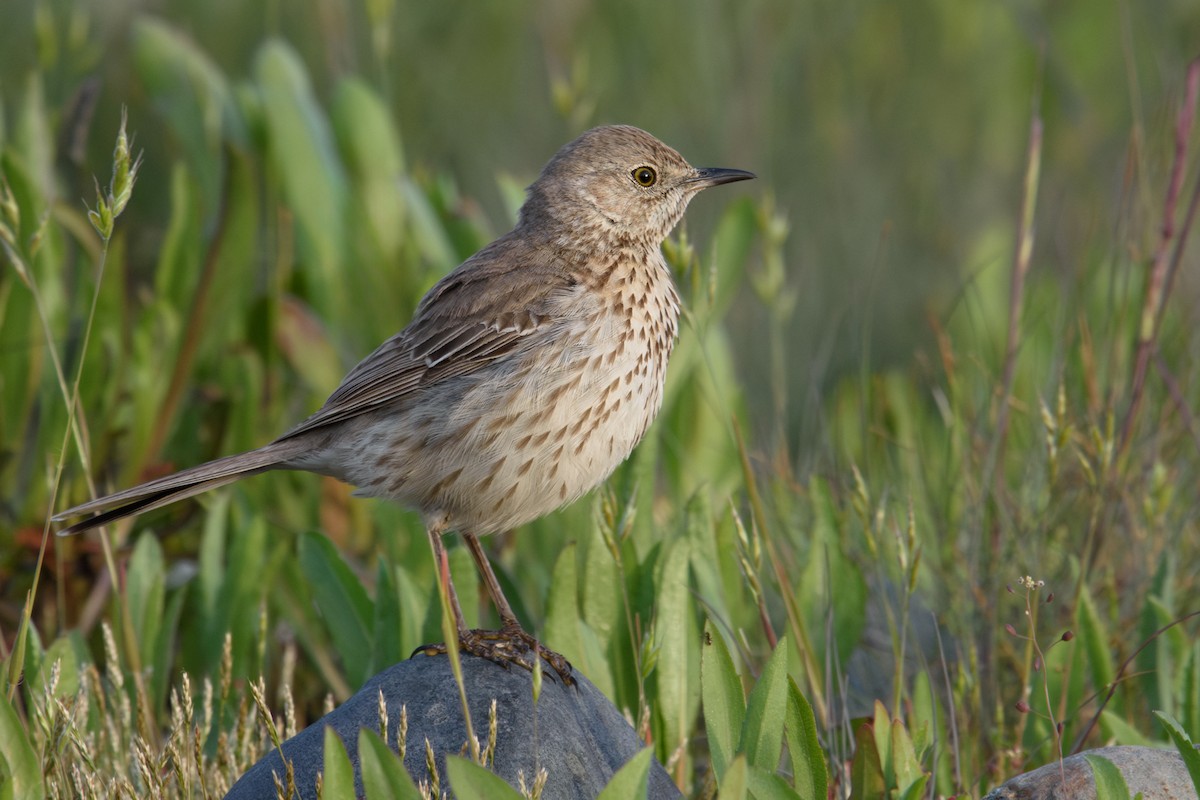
{"x":480,"y":313}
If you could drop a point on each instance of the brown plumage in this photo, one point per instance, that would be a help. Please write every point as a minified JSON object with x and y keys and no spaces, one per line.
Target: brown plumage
{"x":525,"y":377}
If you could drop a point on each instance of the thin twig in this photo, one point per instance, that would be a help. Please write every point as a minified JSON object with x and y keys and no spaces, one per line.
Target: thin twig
{"x":1163,"y":268}
{"x":1116,"y":681}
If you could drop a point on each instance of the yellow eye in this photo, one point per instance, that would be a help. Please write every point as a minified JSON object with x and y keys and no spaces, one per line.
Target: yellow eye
{"x":645,"y":176}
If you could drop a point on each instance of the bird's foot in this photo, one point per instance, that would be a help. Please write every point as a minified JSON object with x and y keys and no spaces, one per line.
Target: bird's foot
{"x":509,"y":645}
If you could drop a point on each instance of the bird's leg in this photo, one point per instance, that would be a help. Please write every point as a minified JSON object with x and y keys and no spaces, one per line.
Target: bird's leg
{"x":439,"y":559}
{"x":512,"y":644}
{"x":508,"y":619}
{"x":511,"y":641}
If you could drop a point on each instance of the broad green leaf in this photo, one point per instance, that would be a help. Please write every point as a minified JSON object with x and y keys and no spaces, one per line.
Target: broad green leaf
{"x":631,"y":780}
{"x":1110,"y":784}
{"x":19,"y":763}
{"x":882,"y":727}
{"x":1187,"y":751}
{"x":383,"y":773}
{"x":370,"y":147}
{"x":905,"y":766}
{"x":343,"y":602}
{"x":388,"y":621}
{"x":145,"y":587}
{"x":562,"y":610}
{"x":724,"y":700}
{"x":677,"y":678}
{"x":762,"y":732}
{"x":1118,"y":729}
{"x":766,"y":785}
{"x":1094,"y":641}
{"x":302,"y":152}
{"x":735,"y":783}
{"x":601,"y":589}
{"x":179,"y":254}
{"x":414,"y":607}
{"x":866,"y":771}
{"x":1189,"y":700}
{"x":338,"y":775}
{"x":809,"y":773}
{"x":70,"y":652}
{"x":473,"y":782}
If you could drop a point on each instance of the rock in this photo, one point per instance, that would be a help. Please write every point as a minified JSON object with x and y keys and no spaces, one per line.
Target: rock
{"x":1158,"y":774}
{"x":574,"y":731}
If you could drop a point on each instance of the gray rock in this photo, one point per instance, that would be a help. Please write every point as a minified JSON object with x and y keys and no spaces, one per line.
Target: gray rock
{"x":1158,"y":774}
{"x":574,"y":731}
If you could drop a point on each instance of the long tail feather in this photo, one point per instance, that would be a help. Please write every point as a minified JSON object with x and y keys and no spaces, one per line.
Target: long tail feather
{"x":166,"y":490}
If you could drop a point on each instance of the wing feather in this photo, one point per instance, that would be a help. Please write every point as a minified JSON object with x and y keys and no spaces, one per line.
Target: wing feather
{"x":463,"y":324}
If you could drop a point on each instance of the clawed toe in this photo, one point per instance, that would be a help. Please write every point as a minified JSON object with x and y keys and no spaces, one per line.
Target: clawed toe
{"x":509,"y":645}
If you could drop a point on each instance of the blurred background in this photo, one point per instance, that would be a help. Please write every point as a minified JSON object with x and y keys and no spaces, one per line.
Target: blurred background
{"x":891,"y":136}
{"x":844,"y":413}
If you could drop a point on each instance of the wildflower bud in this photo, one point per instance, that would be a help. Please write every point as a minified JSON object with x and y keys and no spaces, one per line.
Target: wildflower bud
{"x":1008,"y":588}
{"x":1022,"y":707}
{"x":1037,"y":664}
{"x":1068,"y":636}
{"x":1010,"y":629}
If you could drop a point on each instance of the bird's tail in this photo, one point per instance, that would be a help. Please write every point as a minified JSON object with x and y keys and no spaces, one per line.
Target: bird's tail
{"x":166,"y":490}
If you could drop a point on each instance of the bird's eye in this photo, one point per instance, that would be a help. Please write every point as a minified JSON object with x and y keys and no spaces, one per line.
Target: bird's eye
{"x":645,"y":176}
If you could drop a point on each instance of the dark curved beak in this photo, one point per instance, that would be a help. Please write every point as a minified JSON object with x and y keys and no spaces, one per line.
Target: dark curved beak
{"x":715,"y":176}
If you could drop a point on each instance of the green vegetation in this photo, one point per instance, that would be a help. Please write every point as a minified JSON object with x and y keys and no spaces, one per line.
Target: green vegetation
{"x":948,"y":340}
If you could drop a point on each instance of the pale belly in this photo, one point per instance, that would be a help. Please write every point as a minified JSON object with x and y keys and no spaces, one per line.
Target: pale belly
{"x":501,"y":447}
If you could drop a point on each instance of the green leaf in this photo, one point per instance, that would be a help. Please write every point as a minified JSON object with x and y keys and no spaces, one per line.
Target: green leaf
{"x":762,"y":732}
{"x":631,"y":781}
{"x":338,"y":777}
{"x":1094,"y":640}
{"x":724,"y":700}
{"x":866,"y":771}
{"x":145,"y":586}
{"x":1116,"y":728}
{"x":678,"y":680}
{"x":1189,"y":754}
{"x":343,"y":603}
{"x":562,"y":613}
{"x":882,"y":726}
{"x":735,"y":783}
{"x":370,"y":147}
{"x":179,"y":256}
{"x":388,"y":622}
{"x":1110,"y":784}
{"x":809,"y":771}
{"x":905,"y":766}
{"x":766,"y":785}
{"x":18,"y":761}
{"x":601,"y":589}
{"x":473,"y":782}
{"x":415,"y":603}
{"x":383,"y":773}
{"x":305,"y":160}
{"x":1189,"y":700}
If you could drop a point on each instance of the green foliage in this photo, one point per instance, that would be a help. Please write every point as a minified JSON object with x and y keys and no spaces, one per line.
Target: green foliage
{"x":1110,"y":784}
{"x":828,"y":486}
{"x":747,"y":736}
{"x":1183,"y":742}
{"x":383,"y":773}
{"x":20,"y":772}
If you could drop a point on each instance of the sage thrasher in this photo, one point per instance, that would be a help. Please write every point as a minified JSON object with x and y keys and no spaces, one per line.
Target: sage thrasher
{"x":525,"y":377}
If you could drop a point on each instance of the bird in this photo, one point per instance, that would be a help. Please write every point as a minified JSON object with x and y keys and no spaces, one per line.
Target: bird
{"x":525,"y":377}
